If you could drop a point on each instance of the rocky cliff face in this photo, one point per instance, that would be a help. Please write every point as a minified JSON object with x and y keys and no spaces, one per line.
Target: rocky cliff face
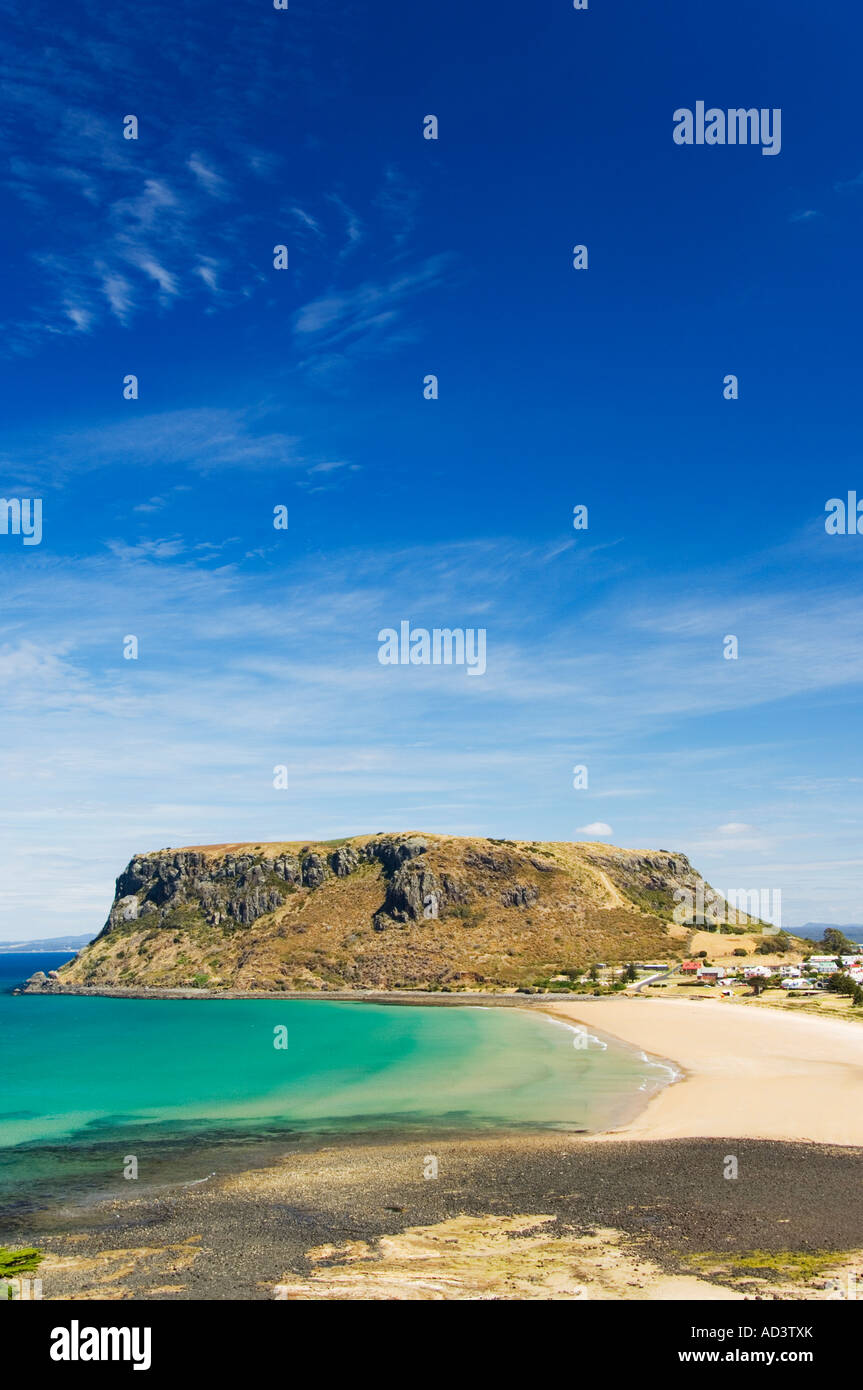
{"x":383,"y":911}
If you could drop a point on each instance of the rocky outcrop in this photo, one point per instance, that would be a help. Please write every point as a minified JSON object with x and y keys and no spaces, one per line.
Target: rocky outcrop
{"x":414,"y":894}
{"x":314,"y":871}
{"x":40,"y":983}
{"x":241,"y":888}
{"x":395,"y":851}
{"x":237,"y":888}
{"x":344,"y":861}
{"x":519,"y":895}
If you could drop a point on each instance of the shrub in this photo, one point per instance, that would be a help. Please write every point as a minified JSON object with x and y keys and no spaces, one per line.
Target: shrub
{"x":14,"y":1264}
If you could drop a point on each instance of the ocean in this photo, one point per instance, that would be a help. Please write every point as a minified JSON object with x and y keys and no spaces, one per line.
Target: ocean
{"x":191,"y":1087}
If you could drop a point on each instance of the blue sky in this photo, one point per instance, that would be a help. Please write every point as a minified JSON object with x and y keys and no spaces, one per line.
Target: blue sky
{"x":304,"y":388}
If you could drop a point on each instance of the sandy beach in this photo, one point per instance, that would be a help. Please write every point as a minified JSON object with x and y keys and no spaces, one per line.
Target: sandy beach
{"x":748,"y":1073}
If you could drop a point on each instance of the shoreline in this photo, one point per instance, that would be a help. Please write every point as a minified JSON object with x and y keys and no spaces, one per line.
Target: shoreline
{"x":751,"y":1074}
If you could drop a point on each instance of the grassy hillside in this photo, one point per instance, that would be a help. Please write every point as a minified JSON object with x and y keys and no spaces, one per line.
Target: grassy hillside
{"x":384,"y":911}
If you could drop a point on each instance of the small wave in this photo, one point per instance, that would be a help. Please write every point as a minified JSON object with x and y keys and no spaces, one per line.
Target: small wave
{"x":196,"y":1182}
{"x":580,"y":1031}
{"x":673,"y":1071}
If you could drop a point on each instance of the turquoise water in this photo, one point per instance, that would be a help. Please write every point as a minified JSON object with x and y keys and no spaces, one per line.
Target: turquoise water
{"x":86,"y":1081}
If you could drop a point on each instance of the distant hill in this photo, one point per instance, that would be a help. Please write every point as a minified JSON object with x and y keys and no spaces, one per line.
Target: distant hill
{"x":384,"y":911}
{"x":814,"y":931}
{"x":49,"y":943}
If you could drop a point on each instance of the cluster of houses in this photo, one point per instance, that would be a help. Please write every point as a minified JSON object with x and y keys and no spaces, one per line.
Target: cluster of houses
{"x":791,"y":976}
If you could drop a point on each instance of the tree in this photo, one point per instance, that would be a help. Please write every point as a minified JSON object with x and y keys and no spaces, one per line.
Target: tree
{"x":630,"y":974}
{"x":593,"y":972}
{"x":835,"y":942}
{"x":842,"y":983}
{"x":758,"y":983}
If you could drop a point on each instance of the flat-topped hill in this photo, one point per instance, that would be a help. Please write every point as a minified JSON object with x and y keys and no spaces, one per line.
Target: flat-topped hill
{"x":384,"y":911}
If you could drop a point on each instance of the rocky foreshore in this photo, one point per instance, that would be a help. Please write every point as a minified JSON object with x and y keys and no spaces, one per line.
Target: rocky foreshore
{"x":508,"y":1217}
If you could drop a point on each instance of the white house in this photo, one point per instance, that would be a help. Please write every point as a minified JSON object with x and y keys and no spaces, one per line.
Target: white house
{"x":789,"y":971}
{"x":750,"y":970}
{"x":796,"y":982}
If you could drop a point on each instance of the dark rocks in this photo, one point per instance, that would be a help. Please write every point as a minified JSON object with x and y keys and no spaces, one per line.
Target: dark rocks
{"x":314,"y":871}
{"x":40,"y":983}
{"x":125,"y":909}
{"x":252,"y":904}
{"x":407,"y":892}
{"x":159,"y":875}
{"x":392,"y":853}
{"x":288,"y":868}
{"x":520,"y":895}
{"x":344,"y":860}
{"x":416,"y":894}
{"x":454,"y":892}
{"x":235,"y":888}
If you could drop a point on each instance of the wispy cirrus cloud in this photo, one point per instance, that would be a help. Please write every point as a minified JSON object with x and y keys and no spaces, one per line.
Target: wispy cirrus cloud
{"x":172,"y":221}
{"x":147,"y":222}
{"x":208,"y":177}
{"x":398,"y":201}
{"x":141,"y":249}
{"x":202,"y":439}
{"x":370,"y":317}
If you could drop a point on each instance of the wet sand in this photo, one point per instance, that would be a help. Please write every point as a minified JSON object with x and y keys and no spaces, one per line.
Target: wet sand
{"x":753,"y":1073}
